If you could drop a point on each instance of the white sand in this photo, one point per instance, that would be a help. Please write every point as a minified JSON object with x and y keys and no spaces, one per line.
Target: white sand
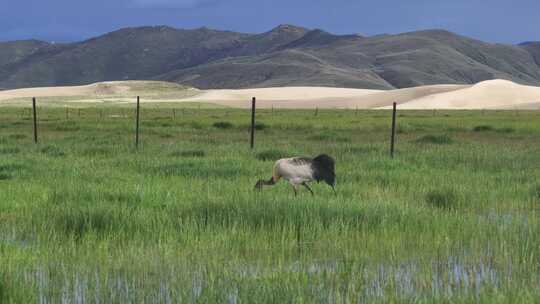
{"x":283,"y":97}
{"x":284,"y":93}
{"x":492,"y":94}
{"x":96,"y":89}
{"x":322,"y":97}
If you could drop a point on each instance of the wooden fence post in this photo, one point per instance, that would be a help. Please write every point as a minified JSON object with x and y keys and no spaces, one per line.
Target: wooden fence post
{"x":35,"y":119}
{"x":393,"y":130}
{"x":137,"y":124}
{"x":252,"y":142}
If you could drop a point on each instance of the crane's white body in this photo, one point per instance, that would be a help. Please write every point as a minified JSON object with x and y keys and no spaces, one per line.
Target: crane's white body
{"x":294,"y":170}
{"x":299,"y":171}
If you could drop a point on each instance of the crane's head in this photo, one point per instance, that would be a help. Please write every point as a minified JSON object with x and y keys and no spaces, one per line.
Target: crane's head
{"x":259,"y":185}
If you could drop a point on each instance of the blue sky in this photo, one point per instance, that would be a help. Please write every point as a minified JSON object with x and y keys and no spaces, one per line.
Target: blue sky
{"x":72,"y":20}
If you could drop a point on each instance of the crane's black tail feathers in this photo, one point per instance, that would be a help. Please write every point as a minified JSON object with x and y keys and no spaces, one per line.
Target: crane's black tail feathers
{"x":324,"y":169}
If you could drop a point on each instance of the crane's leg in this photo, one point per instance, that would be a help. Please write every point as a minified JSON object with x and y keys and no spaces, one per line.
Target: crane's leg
{"x":295,"y":188}
{"x":306,"y":185}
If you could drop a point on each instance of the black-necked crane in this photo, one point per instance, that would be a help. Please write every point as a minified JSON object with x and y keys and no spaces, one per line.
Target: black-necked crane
{"x":299,"y":171}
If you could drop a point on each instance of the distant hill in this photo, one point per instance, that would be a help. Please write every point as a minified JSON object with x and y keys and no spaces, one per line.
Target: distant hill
{"x":285,"y":56}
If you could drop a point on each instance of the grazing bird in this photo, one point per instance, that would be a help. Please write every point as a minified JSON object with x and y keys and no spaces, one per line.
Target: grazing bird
{"x":302,"y":170}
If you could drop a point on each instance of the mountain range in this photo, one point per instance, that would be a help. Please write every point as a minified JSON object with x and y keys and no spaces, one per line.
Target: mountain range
{"x":287,"y":55}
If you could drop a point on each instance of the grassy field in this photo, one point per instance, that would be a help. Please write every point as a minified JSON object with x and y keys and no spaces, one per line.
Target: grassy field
{"x":454,"y":217}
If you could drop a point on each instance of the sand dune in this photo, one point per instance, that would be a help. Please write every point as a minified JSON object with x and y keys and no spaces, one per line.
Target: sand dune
{"x":322,"y":97}
{"x":102,"y":88}
{"x":284,"y":97}
{"x":400,"y":96}
{"x":112,"y":91}
{"x":492,"y":94}
{"x":284,"y":93}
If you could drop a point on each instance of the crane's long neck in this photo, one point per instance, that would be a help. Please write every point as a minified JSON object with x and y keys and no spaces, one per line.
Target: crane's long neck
{"x":275,"y":175}
{"x":274,"y":179}
{"x":269,"y":182}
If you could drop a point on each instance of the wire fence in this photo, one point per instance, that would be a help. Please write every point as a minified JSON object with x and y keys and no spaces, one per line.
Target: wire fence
{"x":139,"y":117}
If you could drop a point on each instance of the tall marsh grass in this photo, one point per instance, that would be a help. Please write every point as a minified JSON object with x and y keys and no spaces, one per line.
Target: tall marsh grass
{"x":84,"y":217}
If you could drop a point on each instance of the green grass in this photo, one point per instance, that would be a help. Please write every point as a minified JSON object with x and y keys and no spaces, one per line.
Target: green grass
{"x":272,"y":155}
{"x":483,"y":128}
{"x":435,"y":139}
{"x":442,"y":198}
{"x":223,"y":125}
{"x":188,"y":153}
{"x":452,"y":218}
